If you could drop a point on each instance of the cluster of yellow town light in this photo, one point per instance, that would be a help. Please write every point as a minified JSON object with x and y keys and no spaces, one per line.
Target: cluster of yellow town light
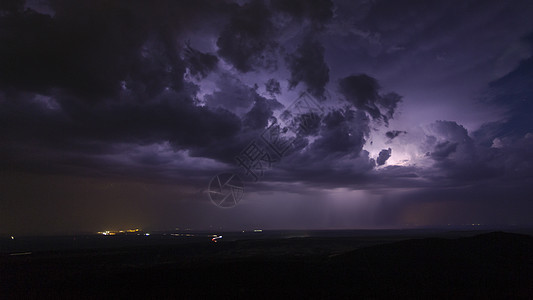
{"x":114,"y":232}
{"x":137,"y":230}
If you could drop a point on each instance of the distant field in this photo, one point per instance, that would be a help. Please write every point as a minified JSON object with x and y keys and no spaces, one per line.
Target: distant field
{"x":315,"y":264}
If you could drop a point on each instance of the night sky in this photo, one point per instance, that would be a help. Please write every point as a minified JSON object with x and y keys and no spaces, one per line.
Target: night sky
{"x":118,"y":114}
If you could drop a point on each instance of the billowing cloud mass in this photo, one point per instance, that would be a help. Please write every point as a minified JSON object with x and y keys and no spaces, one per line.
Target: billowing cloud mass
{"x":200,"y":64}
{"x":273,"y":87}
{"x":348,"y":113}
{"x":363,"y":92}
{"x":316,"y":12}
{"x":307,"y":65}
{"x":383,"y":156}
{"x":248,"y":41}
{"x":394,"y":133}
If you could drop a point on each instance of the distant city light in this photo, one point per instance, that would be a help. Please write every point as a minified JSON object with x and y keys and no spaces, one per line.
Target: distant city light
{"x":114,"y":232}
{"x":182,"y":234}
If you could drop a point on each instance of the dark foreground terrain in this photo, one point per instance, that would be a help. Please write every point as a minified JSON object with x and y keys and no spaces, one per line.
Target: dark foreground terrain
{"x":488,"y":265}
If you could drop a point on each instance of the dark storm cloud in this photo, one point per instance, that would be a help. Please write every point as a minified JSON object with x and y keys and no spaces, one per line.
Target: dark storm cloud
{"x":119,"y":78}
{"x":394,"y":133}
{"x":89,"y":133}
{"x":461,"y":159}
{"x":308,"y":123}
{"x":443,"y":150}
{"x":273,"y":87}
{"x":90,"y":48}
{"x":247,"y":41}
{"x":131,"y":64}
{"x":199,"y":64}
{"x":449,"y":131}
{"x":120,"y":81}
{"x":379,"y":28}
{"x":313,"y":172}
{"x":260,"y":113}
{"x":335,"y":156}
{"x":363,"y":92}
{"x":389,"y":104}
{"x":254,"y":120}
{"x":104,"y":89}
{"x":343,"y":133}
{"x":455,"y":153}
{"x":10,"y":6}
{"x":232,"y":94}
{"x":383,"y":156}
{"x":50,"y":53}
{"x":307,"y":65}
{"x":132,"y":122}
{"x":317,"y":12}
